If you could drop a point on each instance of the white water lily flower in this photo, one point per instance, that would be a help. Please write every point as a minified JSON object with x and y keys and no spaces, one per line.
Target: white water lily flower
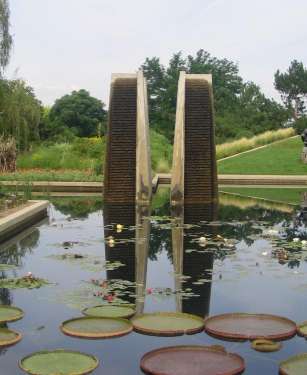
{"x":296,"y":239}
{"x":202,"y":240}
{"x":119,"y":228}
{"x":304,"y":242}
{"x":264,"y":253}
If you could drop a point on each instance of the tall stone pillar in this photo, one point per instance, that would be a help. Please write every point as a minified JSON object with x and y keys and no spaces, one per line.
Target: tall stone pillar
{"x":194,"y":172}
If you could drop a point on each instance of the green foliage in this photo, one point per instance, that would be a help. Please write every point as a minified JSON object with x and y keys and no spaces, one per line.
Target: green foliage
{"x":83,"y":153}
{"x":161,"y":152}
{"x":78,"y":207}
{"x":292,"y":86}
{"x":80,"y":113}
{"x":20,"y":113}
{"x":300,"y":124}
{"x":241,"y":108}
{"x":23,"y":283}
{"x":282,"y":158}
{"x":6,"y":39}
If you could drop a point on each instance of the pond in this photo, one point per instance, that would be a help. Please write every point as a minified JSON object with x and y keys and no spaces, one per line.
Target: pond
{"x":246,"y":262}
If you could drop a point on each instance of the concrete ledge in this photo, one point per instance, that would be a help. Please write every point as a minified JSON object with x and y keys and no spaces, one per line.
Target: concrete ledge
{"x":58,"y":186}
{"x":165,"y":179}
{"x":25,"y":217}
{"x":253,"y":180}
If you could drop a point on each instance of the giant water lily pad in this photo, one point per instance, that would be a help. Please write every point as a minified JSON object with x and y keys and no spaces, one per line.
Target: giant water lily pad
{"x":302,"y":329}
{"x":8,"y":337}
{"x":10,"y":314}
{"x":110,"y":311}
{"x":296,"y":365}
{"x":168,"y":324}
{"x":94,"y":327}
{"x":194,"y":360}
{"x":61,"y":362}
{"x":244,"y":326}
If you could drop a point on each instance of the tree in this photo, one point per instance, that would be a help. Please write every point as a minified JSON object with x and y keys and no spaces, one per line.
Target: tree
{"x":6,"y":40}
{"x":80,"y":113}
{"x":20,"y":113}
{"x":292,"y":86}
{"x":241,"y":109}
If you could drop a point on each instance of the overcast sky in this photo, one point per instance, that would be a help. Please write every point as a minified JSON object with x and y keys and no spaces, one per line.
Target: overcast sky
{"x":64,"y":45}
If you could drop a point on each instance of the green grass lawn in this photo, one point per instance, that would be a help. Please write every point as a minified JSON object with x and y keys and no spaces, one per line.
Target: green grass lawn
{"x":289,"y":195}
{"x":282,"y":158}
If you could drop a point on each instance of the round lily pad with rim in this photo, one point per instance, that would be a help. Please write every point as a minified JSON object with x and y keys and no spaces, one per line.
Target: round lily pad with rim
{"x":10,"y":314}
{"x":91,"y":327}
{"x":59,"y":361}
{"x":196,"y":360}
{"x":243,"y":326}
{"x":110,"y":311}
{"x":9,"y":337}
{"x":168,"y":324}
{"x":302,"y":329}
{"x":295,"y":365}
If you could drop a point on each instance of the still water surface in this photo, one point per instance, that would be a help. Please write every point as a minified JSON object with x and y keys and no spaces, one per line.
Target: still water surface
{"x":167,"y":269}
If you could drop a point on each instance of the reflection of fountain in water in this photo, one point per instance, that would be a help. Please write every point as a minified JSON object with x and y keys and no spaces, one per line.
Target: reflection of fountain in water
{"x":194,"y":265}
{"x":130,"y":248}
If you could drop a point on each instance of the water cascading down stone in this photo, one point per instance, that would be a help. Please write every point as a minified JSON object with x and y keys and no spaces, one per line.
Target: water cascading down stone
{"x":127,"y":172}
{"x":194,"y":172}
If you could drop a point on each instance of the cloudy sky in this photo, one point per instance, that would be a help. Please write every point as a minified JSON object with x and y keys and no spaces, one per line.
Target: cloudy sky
{"x":64,"y":45}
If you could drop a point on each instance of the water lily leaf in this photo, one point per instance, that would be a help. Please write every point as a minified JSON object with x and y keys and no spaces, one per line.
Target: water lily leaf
{"x":9,"y":337}
{"x":7,"y":267}
{"x":168,"y":324}
{"x":96,"y":327}
{"x":110,"y":311}
{"x":302,"y":329}
{"x":192,"y":360}
{"x":23,"y":283}
{"x":262,"y":345}
{"x":295,"y":365}
{"x":64,"y":362}
{"x":10,"y":314}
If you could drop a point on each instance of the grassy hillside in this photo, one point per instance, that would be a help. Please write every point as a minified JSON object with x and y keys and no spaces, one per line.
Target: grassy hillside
{"x":282,"y":158}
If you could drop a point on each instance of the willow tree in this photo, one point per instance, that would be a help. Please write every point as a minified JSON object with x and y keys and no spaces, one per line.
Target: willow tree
{"x":6,"y":40}
{"x":20,"y":113}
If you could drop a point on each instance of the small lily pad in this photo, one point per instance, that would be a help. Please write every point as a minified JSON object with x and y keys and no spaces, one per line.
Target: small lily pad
{"x":96,"y":328}
{"x":294,"y":365}
{"x":168,"y":324}
{"x":302,"y":329}
{"x":10,"y":314}
{"x":266,"y":346}
{"x":8,"y":337}
{"x":64,"y":362}
{"x":110,"y":311}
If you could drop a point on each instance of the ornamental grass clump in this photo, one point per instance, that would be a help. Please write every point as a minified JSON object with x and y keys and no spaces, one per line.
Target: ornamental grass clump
{"x":244,"y":144}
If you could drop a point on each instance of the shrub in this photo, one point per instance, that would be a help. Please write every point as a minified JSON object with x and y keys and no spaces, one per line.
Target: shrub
{"x":300,"y":125}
